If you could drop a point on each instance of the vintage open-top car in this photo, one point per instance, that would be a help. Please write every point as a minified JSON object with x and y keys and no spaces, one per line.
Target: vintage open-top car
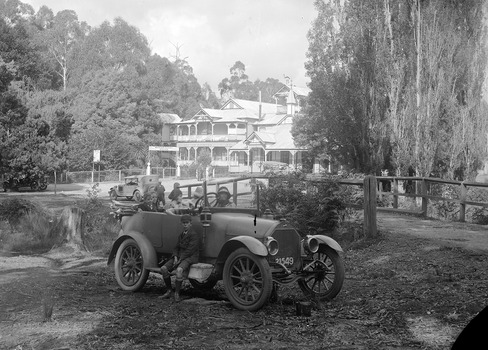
{"x":134,"y":187}
{"x":250,"y":252}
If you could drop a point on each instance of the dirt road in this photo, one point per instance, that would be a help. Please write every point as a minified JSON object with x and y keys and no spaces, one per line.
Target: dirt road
{"x":416,"y":288}
{"x":468,"y":236}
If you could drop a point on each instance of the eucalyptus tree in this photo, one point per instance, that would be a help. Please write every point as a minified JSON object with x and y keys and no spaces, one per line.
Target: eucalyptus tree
{"x":397,"y":84}
{"x":59,"y":36}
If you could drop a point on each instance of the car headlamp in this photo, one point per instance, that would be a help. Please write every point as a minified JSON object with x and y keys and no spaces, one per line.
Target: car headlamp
{"x":272,"y":245}
{"x":311,"y":244}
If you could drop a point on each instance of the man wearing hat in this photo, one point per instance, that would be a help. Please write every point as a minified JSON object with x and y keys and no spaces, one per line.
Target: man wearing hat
{"x":185,"y":253}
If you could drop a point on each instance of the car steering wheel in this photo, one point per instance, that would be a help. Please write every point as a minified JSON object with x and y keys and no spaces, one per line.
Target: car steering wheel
{"x":212,"y":198}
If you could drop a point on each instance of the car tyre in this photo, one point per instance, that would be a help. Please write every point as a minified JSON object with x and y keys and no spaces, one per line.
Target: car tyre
{"x":42,"y":185}
{"x":247,"y":279}
{"x":129,"y":266}
{"x":325,"y":276}
{"x":137,"y":196}
{"x":34,"y":185}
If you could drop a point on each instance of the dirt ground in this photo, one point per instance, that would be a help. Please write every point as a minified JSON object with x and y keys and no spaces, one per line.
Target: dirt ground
{"x":415,"y":288}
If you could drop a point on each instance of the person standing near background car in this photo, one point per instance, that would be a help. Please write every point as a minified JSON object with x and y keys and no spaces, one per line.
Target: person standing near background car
{"x":185,"y":253}
{"x":160,"y":194}
{"x":175,"y":192}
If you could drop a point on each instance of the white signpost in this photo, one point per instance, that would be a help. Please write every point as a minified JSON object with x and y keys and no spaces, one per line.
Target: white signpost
{"x":96,"y":159}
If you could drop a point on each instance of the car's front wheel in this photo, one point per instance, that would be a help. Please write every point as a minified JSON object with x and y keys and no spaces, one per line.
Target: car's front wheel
{"x":129,"y":266}
{"x":247,"y":280}
{"x":324,"y":274}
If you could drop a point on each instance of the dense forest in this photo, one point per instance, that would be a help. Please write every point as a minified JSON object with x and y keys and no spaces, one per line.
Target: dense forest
{"x":398,"y":85}
{"x":67,"y":88}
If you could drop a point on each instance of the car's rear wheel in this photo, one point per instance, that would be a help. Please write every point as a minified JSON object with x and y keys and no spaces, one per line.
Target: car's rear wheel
{"x":129,"y":266}
{"x":34,"y":185}
{"x":325,"y":274}
{"x":247,"y":280}
{"x":113,"y":195}
{"x":137,"y":196}
{"x":42,"y":185}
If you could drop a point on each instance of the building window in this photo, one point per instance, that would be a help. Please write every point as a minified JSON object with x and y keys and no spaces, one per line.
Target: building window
{"x":219,"y":153}
{"x":285,"y":157}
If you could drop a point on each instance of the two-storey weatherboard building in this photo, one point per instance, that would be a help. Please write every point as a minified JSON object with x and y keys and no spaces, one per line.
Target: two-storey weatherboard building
{"x":242,"y":134}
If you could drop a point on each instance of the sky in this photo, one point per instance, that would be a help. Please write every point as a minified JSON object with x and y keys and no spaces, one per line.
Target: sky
{"x":268,"y":36}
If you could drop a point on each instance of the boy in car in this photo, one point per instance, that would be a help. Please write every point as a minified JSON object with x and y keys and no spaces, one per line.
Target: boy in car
{"x":185,"y":253}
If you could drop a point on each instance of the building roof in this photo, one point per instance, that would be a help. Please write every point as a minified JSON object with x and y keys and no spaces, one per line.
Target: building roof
{"x":169,"y":118}
{"x":233,"y":114}
{"x":297,"y":90}
{"x":272,"y":119}
{"x":275,"y":138}
{"x":252,"y":106}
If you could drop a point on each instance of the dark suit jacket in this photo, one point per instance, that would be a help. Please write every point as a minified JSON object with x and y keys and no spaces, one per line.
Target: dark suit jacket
{"x":188,"y":246}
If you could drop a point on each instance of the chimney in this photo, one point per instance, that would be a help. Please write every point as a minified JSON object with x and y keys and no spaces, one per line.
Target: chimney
{"x":260,"y":107}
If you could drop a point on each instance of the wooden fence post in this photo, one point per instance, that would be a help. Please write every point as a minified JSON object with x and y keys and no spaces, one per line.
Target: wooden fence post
{"x":234,"y":190}
{"x":462,"y":203}
{"x":369,"y":227}
{"x":395,"y":193}
{"x":425,"y":200}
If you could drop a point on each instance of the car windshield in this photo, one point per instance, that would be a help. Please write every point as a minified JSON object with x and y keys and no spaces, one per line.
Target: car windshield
{"x":131,"y":181}
{"x":240,"y":193}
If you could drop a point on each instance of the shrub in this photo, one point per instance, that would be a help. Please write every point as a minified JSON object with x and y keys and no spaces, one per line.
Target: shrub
{"x":100,"y":228}
{"x":31,"y":226}
{"x":318,"y":207}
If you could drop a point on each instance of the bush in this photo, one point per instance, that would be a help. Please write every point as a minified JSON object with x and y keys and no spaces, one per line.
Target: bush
{"x":33,"y":229}
{"x":318,"y":207}
{"x":100,"y":228}
{"x":31,"y":226}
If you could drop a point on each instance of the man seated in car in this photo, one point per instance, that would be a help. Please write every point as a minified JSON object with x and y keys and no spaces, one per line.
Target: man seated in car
{"x":224,"y":198}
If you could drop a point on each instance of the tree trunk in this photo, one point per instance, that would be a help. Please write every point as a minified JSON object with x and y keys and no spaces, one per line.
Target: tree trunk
{"x":72,"y":224}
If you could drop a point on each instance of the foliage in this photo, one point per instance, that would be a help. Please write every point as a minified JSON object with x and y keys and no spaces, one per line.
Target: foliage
{"x":369,"y":110}
{"x":12,"y":209}
{"x":31,"y":226}
{"x":239,"y":86}
{"x":317,"y":207}
{"x":114,"y":91}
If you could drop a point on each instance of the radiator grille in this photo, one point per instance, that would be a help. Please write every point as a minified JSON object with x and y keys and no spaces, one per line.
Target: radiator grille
{"x":289,"y":252}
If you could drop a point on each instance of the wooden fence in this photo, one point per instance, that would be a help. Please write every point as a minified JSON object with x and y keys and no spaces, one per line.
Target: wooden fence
{"x":378,"y":187}
{"x":421,"y":189}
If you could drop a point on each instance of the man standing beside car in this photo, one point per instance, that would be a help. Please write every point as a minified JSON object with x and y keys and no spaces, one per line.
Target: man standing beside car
{"x":185,"y":253}
{"x":160,"y":193}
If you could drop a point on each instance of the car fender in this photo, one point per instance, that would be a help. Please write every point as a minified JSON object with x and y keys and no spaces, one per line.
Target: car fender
{"x":251,"y":243}
{"x":147,"y":250}
{"x":329,"y":241}
{"x":254,"y":245}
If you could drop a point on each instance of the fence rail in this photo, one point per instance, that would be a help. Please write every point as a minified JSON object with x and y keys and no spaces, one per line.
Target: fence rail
{"x":422,"y":188}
